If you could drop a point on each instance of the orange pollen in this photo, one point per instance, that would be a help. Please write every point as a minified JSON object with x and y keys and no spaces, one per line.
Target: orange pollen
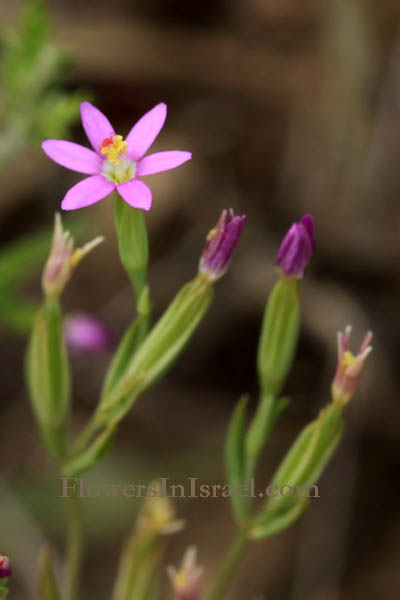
{"x":112,"y":147}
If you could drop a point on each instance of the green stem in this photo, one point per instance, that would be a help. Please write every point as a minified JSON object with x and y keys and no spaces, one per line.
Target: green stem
{"x":87,"y":434}
{"x":228,"y":567}
{"x":141,"y":327}
{"x":74,"y":546}
{"x":268,"y":411}
{"x":258,"y":431}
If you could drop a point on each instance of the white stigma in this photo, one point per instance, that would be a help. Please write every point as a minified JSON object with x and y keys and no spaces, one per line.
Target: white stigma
{"x":125,"y":171}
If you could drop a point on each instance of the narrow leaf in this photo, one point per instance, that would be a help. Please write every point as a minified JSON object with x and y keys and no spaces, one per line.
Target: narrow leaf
{"x":235,"y":460}
{"x":159,"y":350}
{"x":88,"y":457}
{"x":280,"y":522}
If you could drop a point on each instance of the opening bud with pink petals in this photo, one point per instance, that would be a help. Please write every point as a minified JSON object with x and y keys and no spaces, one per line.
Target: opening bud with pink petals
{"x":187,"y":580}
{"x":349,"y":367}
{"x":63,"y":260}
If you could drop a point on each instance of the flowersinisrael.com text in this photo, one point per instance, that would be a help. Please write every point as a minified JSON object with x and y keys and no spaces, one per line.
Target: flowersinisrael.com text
{"x":73,"y":486}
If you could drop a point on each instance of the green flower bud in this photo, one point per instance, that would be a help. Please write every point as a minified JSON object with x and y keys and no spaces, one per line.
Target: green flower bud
{"x":279,"y":336}
{"x":48,"y":376}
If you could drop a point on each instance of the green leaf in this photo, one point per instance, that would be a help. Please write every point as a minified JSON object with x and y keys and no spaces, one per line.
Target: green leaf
{"x":48,"y":588}
{"x":126,"y":349}
{"x":276,"y":524}
{"x":305,"y":460}
{"x":235,"y":459}
{"x":130,"y":342}
{"x":133,"y":242}
{"x":88,"y":457}
{"x":159,"y":350}
{"x":279,"y":335}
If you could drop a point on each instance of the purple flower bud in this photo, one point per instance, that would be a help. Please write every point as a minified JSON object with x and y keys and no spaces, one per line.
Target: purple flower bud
{"x":297,"y":248}
{"x":5,"y":567}
{"x":84,"y":333}
{"x":221,"y":242}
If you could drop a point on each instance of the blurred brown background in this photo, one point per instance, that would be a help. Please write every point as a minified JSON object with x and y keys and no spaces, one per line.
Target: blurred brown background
{"x":288,"y":107}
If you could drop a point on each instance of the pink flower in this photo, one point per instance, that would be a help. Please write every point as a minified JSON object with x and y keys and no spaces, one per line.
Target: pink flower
{"x":349,"y":367}
{"x":115,"y":163}
{"x":85,"y":333}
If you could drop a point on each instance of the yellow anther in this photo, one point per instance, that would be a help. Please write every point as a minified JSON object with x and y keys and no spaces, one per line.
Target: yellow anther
{"x":76,"y":257}
{"x":211,"y":234}
{"x":181,"y":579}
{"x":348,"y":359}
{"x":113,"y":147}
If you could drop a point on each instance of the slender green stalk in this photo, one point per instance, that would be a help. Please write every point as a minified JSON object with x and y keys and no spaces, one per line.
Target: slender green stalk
{"x":74,"y":546}
{"x":228,"y":567}
{"x":259,"y":429}
{"x":87,"y":435}
{"x":268,"y":411}
{"x":137,"y":566}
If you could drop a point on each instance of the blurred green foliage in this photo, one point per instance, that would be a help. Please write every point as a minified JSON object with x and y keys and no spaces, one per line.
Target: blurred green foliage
{"x":33,"y":104}
{"x":3,"y":589}
{"x":16,"y":260}
{"x":24,"y":256}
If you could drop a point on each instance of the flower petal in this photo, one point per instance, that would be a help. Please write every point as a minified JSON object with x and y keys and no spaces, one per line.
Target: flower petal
{"x":145,"y":131}
{"x":136,"y":193}
{"x":95,"y":124}
{"x":161,"y":161}
{"x":87,"y":192}
{"x":72,"y":156}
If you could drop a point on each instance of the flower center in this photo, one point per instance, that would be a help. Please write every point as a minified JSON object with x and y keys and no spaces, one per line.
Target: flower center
{"x":118,"y":173}
{"x":112,"y":147}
